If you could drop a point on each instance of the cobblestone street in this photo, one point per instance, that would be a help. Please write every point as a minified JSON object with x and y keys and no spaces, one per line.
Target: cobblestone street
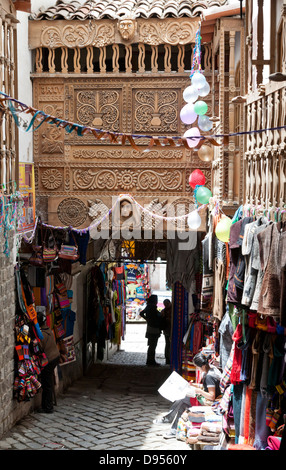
{"x":112,"y":408}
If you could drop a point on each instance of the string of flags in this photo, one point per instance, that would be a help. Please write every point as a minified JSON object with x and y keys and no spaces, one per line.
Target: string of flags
{"x":39,"y":117}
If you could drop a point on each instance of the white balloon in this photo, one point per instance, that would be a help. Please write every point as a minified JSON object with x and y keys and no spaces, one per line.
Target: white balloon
{"x":190,"y":94}
{"x":198,"y":80}
{"x":194,"y":220}
{"x":193,"y":132}
{"x":204,"y":91}
{"x":187,"y":114}
{"x":204,"y":123}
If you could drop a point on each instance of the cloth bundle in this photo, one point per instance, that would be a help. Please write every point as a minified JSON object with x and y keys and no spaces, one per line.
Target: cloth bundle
{"x":200,"y":425}
{"x":208,"y":433}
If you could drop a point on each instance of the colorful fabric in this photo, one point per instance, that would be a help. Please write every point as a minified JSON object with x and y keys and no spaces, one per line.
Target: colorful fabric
{"x":180,"y":325}
{"x":237,"y":356}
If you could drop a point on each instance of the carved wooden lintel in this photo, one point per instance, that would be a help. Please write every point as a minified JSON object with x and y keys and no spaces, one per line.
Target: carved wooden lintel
{"x":75,"y":33}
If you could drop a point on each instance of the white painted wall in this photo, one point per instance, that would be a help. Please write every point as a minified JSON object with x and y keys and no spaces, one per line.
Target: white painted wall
{"x":24,"y":83}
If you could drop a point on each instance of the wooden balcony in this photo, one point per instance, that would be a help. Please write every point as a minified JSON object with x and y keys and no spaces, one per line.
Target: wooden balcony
{"x":265,"y":164}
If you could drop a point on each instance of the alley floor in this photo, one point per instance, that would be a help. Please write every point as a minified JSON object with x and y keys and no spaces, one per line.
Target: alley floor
{"x":110,"y":409}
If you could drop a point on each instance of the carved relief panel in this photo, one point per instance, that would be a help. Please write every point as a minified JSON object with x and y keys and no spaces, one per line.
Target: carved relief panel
{"x":72,"y":170}
{"x":99,"y":108}
{"x":156,"y":110}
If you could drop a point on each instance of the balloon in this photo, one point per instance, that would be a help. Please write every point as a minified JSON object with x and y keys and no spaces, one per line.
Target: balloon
{"x":194,"y":220}
{"x":198,"y":80}
{"x":204,"y":123}
{"x":190,"y":94}
{"x":206,"y":153}
{"x":197,"y":178}
{"x":223,"y":229}
{"x":187,"y":114}
{"x":192,"y":132}
{"x":203,"y":195}
{"x":204,"y":91}
{"x":200,"y":107}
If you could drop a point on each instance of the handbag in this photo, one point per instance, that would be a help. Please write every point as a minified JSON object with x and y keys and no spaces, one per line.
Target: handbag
{"x":37,"y":256}
{"x":62,"y":294}
{"x":69,"y":252}
{"x":49,"y":254}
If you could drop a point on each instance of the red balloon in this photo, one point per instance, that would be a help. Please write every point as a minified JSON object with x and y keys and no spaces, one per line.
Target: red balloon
{"x":197,"y":177}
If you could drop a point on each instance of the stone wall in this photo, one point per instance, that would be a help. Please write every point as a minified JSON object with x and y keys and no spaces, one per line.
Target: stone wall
{"x":10,"y":410}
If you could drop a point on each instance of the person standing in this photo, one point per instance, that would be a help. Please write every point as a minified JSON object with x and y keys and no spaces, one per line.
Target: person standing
{"x":166,"y":320}
{"x":49,"y":347}
{"x":153,"y":331}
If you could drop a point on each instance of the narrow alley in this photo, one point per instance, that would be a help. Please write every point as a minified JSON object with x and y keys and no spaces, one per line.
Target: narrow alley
{"x":112,"y":408}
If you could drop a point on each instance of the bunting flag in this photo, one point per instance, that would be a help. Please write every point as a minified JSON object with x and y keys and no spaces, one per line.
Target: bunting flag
{"x":39,"y":117}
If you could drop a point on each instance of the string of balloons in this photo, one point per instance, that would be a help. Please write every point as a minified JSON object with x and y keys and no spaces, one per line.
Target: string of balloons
{"x":195,"y":109}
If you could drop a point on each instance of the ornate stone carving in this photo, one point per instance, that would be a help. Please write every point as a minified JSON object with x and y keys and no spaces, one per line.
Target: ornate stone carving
{"x":78,"y":35}
{"x":51,"y":178}
{"x":72,"y":211}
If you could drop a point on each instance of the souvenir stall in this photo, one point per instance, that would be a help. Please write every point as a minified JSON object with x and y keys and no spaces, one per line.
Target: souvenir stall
{"x":44,"y":282}
{"x":192,"y":325}
{"x":137,"y":288}
{"x":254,"y":308}
{"x":247,"y":301}
{"x":29,"y":360}
{"x":106,"y":316}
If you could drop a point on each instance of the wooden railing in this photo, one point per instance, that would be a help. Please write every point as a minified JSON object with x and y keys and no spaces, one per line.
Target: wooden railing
{"x":265,"y":150}
{"x":133,"y":58}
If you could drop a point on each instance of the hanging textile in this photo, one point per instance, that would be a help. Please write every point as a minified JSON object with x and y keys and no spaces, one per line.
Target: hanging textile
{"x":180,"y":325}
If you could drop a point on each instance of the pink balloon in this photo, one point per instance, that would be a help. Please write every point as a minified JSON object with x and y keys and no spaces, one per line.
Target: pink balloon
{"x":187,"y":114}
{"x":193,"y":132}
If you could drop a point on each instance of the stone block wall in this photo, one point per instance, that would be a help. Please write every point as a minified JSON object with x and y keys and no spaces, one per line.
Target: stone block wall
{"x":10,"y":410}
{"x":7,"y":341}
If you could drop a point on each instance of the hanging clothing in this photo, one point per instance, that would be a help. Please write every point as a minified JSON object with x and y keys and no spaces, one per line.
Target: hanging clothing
{"x":182,"y":264}
{"x":272,"y":248}
{"x":250,"y":250}
{"x":207,"y":275}
{"x":226,"y":333}
{"x":237,"y":357}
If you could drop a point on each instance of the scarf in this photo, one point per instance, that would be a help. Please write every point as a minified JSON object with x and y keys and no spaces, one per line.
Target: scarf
{"x":237,"y":356}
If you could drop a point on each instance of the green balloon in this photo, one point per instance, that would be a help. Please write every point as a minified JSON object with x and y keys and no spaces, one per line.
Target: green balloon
{"x":200,"y":108}
{"x":203,"y":195}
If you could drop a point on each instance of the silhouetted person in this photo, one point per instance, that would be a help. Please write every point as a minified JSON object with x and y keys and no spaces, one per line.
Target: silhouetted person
{"x":49,"y":347}
{"x":153,"y":331}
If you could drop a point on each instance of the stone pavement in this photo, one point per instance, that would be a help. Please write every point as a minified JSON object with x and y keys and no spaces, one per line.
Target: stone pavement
{"x":110,"y":409}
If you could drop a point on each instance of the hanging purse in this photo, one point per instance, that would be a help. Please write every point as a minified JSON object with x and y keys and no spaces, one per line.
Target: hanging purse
{"x":62,"y":295}
{"x":37,"y":256}
{"x":69,"y":252}
{"x":49,"y":254}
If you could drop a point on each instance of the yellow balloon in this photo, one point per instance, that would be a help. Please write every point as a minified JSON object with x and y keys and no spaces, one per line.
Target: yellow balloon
{"x":223,"y":229}
{"x":206,"y":153}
